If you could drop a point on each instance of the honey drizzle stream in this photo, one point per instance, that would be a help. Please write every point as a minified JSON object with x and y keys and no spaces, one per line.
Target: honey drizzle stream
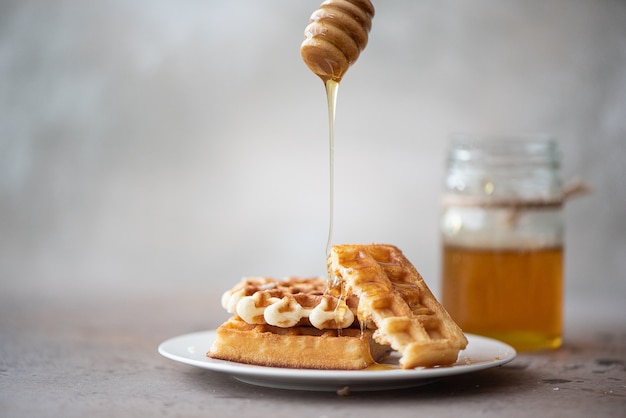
{"x":332,"y":87}
{"x":331,"y":94}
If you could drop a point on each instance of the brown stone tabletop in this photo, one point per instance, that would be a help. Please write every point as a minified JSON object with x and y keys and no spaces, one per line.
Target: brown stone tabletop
{"x":96,"y":355}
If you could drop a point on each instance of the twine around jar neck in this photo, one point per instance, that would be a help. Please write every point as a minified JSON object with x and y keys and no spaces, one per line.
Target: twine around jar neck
{"x":573,"y":189}
{"x":516,"y":205}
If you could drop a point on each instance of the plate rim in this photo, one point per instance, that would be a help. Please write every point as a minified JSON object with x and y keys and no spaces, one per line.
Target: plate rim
{"x":317,"y":377}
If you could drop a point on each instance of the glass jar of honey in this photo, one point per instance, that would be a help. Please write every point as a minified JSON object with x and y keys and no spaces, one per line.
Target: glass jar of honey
{"x":502,"y":233}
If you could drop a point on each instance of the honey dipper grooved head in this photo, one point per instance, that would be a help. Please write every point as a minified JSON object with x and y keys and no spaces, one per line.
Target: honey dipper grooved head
{"x":336,"y":35}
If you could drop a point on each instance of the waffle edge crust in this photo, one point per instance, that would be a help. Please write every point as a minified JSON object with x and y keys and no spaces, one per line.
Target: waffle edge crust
{"x":296,"y":347}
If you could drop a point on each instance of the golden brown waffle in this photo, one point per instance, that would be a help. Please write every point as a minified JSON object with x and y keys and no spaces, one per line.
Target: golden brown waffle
{"x":395,"y":297}
{"x":336,"y":35}
{"x":296,"y":347}
{"x":289,"y":302}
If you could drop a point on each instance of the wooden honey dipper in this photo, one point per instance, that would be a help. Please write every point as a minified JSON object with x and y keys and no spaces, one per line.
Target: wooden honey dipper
{"x":336,"y":35}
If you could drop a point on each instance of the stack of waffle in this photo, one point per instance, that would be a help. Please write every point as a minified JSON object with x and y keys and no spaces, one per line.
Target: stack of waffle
{"x":374,"y":302}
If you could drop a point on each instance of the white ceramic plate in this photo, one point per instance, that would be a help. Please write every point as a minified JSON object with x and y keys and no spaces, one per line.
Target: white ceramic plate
{"x":481,"y":353}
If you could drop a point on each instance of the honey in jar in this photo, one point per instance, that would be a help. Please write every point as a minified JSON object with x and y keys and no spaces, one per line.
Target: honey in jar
{"x":502,"y":238}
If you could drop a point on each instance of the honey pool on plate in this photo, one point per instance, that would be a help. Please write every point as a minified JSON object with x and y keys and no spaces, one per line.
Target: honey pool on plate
{"x":513,"y":295}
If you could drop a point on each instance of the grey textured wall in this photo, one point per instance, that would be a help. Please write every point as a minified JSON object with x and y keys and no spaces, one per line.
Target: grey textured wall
{"x":155,"y":143}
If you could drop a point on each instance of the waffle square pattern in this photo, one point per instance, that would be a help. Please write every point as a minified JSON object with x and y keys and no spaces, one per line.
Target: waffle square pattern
{"x":394,"y":297}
